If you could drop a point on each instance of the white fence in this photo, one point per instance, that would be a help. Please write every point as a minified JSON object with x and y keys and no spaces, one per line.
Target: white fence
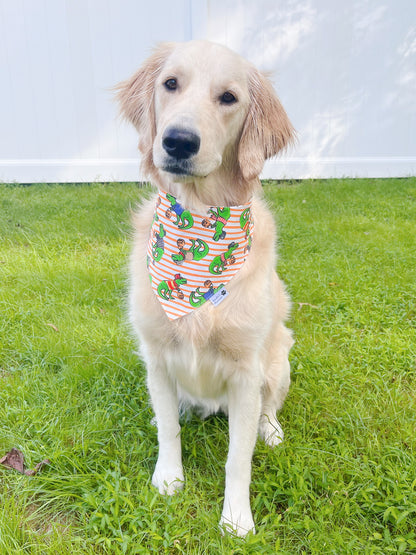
{"x":345,"y":72}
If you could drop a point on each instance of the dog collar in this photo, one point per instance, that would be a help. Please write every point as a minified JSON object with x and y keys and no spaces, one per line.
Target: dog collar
{"x":191,"y":256}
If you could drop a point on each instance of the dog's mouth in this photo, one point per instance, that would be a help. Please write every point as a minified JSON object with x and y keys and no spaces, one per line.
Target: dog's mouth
{"x":182,"y":170}
{"x":179,"y":168}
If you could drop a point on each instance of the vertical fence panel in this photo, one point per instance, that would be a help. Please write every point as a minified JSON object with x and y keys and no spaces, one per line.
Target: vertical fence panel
{"x":344,"y":71}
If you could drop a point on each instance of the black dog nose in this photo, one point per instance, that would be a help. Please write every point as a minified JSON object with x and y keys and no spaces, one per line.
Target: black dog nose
{"x":180,"y":143}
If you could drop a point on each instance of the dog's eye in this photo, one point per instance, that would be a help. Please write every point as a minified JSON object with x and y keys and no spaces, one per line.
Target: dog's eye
{"x":171,"y":84}
{"x":228,"y":98}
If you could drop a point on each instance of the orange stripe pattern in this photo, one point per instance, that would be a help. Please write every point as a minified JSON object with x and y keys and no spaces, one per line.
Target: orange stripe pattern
{"x":192,"y":256}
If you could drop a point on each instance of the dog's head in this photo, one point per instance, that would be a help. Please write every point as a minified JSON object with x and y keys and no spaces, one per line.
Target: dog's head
{"x":199,"y":107}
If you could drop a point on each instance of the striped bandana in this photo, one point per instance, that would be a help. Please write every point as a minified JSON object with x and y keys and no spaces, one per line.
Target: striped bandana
{"x":192,"y":256}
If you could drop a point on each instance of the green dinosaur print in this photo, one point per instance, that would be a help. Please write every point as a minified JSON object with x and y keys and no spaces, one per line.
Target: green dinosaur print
{"x":245,"y":220}
{"x":167,"y":288}
{"x":198,"y":298}
{"x":220,"y":262}
{"x":220,"y":218}
{"x":158,"y":247}
{"x":198,"y":250}
{"x":184,"y":219}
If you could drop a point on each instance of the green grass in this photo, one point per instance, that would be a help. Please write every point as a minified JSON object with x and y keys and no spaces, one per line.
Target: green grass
{"x":72,"y":391}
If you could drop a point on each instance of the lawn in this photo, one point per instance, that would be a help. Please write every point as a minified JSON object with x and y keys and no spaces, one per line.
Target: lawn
{"x":72,"y":390}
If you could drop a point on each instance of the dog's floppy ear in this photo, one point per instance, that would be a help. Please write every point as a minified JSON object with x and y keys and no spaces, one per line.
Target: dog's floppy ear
{"x":267,"y":128}
{"x":136,"y":99}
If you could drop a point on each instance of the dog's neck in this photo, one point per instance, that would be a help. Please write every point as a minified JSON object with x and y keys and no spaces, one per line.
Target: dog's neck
{"x":220,"y":188}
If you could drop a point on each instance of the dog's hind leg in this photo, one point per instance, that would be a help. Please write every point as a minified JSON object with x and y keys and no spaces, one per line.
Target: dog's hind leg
{"x":276,"y":386}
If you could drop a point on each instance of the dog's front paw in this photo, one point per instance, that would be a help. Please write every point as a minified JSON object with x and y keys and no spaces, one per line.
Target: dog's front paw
{"x":271,"y":432}
{"x":238,"y":525}
{"x":167,"y":480}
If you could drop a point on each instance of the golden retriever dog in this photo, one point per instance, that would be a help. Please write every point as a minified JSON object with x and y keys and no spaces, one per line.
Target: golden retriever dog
{"x":207,"y":120}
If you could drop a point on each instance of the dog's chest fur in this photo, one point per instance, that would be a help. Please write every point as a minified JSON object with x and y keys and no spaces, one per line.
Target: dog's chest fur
{"x":198,"y":370}
{"x":202,"y":350}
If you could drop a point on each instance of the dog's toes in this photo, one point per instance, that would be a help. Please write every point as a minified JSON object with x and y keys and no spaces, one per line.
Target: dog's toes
{"x":168,"y":482}
{"x":239,"y":527}
{"x":273,"y":439}
{"x":271,"y":433}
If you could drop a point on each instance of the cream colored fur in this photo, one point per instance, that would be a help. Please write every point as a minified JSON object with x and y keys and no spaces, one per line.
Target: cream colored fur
{"x":234,"y":356}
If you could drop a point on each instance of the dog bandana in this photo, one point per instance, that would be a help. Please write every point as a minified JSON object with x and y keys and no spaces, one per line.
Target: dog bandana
{"x":192,"y":256}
